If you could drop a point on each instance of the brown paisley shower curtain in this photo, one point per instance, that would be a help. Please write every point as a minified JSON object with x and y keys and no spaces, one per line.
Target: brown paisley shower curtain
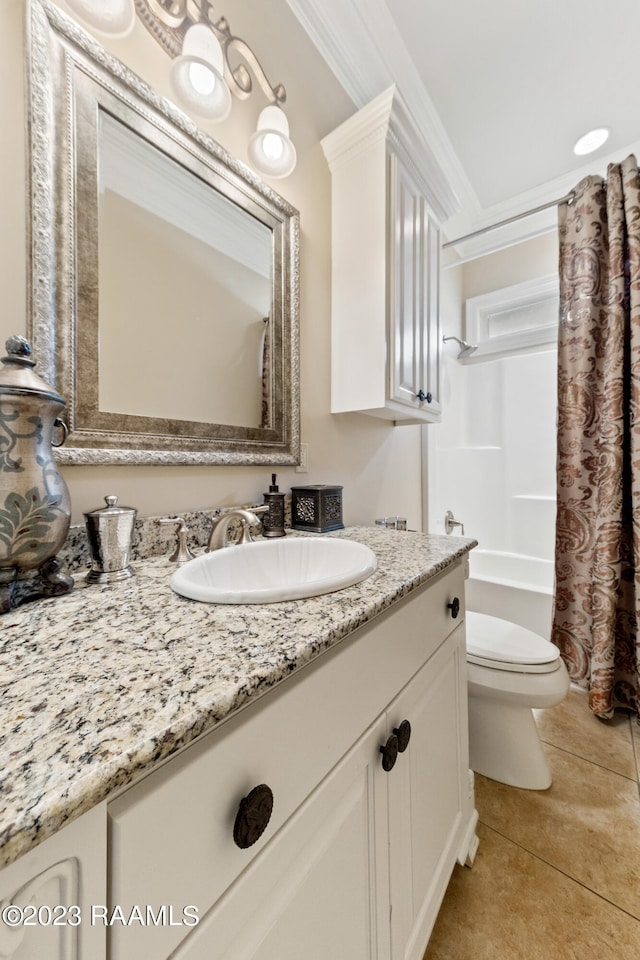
{"x":597,"y":591}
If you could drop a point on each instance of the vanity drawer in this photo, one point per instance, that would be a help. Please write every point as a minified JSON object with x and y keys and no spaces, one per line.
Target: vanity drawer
{"x":172,"y":835}
{"x":443,"y":608}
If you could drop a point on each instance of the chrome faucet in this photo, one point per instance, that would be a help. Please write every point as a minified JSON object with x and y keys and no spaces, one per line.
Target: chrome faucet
{"x":220,"y":526}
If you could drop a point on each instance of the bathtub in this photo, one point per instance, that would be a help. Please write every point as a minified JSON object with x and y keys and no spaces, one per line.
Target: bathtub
{"x":512,"y":586}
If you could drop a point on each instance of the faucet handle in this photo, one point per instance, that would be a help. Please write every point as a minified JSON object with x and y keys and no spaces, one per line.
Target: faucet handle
{"x":252,"y":519}
{"x":182,"y":552}
{"x":245,"y":517}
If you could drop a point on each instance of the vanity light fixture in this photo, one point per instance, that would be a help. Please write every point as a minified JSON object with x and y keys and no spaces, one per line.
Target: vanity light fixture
{"x":202,"y":75}
{"x":270,"y":148}
{"x":114,"y":18}
{"x":591,"y":141}
{"x":197,"y":75}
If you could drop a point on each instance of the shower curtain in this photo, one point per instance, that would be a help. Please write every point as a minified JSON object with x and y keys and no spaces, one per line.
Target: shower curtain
{"x":597,"y":566}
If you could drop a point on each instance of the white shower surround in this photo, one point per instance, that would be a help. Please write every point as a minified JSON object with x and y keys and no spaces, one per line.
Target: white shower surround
{"x":513,"y":586}
{"x":492,"y":459}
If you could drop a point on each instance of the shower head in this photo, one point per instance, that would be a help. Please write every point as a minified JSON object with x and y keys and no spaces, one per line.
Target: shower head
{"x":466,"y":349}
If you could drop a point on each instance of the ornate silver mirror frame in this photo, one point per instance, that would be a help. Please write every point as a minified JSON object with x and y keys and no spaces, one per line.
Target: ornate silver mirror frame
{"x":71,"y":80}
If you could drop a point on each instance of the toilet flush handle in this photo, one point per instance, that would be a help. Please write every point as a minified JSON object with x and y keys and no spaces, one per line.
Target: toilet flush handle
{"x":454,"y":606}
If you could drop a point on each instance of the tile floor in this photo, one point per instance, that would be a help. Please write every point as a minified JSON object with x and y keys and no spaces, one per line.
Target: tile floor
{"x":557,"y":874}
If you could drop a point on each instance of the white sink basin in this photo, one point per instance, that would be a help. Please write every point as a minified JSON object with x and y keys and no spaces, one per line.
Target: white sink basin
{"x":269,"y":571}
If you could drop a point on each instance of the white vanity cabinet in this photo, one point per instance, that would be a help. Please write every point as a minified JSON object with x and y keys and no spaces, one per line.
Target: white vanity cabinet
{"x":385,"y":317}
{"x":430,"y":797}
{"x":54,"y":895}
{"x":315,"y":891}
{"x":354,"y":859}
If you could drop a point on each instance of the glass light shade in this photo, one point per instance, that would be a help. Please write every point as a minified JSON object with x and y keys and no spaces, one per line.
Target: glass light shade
{"x":591,"y":141}
{"x":197,"y":75}
{"x":111,"y":18}
{"x":271,"y":151}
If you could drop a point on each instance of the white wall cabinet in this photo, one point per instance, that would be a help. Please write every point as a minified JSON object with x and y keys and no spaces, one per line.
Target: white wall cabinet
{"x":362,"y":838}
{"x":385,"y":326}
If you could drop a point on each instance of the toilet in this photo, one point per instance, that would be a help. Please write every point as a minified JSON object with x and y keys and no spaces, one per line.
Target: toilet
{"x":510,"y":671}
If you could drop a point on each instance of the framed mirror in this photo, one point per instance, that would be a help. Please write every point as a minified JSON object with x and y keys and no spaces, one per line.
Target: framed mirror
{"x":164,"y":274}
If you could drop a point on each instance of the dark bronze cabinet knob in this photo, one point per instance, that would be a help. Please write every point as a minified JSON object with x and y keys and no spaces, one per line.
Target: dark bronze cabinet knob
{"x":421,"y":395}
{"x":454,"y":606}
{"x":253,"y":816}
{"x":389,"y":753}
{"x":403,"y":733}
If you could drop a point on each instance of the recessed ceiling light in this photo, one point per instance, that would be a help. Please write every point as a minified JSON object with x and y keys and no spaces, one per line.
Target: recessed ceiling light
{"x":591,"y":141}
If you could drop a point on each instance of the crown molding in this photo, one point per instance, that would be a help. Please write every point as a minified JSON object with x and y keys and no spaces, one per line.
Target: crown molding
{"x":386,"y":118}
{"x":360,"y":43}
{"x":362,"y":46}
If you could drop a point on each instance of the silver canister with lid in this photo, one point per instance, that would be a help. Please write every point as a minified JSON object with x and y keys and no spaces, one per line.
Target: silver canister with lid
{"x":110,"y":533}
{"x":35,"y":509}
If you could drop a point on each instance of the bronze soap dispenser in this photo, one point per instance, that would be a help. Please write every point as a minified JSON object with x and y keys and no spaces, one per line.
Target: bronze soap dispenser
{"x":35,"y":508}
{"x":273,"y":519}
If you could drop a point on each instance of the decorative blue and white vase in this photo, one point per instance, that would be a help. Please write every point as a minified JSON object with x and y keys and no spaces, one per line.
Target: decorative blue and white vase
{"x":35,"y":507}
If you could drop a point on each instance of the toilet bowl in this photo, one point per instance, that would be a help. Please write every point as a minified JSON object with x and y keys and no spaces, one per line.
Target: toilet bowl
{"x":510,"y":671}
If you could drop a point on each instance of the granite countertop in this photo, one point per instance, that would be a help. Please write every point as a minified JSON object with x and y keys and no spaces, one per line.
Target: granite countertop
{"x":101,"y":684}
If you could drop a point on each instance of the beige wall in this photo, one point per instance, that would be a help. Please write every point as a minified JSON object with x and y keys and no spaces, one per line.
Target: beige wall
{"x":516,"y":264}
{"x":378,"y":464}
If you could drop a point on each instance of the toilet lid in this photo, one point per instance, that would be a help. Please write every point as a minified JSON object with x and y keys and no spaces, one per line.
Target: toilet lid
{"x":490,"y":638}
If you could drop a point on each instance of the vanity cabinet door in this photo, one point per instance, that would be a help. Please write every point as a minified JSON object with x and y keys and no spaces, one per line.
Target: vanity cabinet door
{"x":58,"y":887}
{"x":429,"y":802}
{"x":320,"y":889}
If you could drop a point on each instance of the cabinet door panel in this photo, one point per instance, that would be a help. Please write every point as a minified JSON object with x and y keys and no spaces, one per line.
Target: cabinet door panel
{"x":427,"y":795}
{"x":68,"y":870}
{"x":414,"y":367}
{"x":432,"y":343}
{"x":314,"y":891}
{"x":407,"y":287}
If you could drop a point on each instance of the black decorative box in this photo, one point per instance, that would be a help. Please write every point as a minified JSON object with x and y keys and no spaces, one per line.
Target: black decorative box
{"x":317,"y":508}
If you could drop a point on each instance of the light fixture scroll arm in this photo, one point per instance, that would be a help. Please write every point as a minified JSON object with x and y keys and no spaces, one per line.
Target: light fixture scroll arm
{"x":239,"y":78}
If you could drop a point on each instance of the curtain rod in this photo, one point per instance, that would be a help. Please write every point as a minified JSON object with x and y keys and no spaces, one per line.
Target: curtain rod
{"x":519,"y":216}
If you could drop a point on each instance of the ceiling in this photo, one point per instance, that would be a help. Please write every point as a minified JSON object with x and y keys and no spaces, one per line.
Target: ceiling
{"x":501,"y":89}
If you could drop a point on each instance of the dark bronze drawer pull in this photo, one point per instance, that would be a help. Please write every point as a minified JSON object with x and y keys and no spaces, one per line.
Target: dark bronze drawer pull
{"x":403,"y":733}
{"x":454,"y":606}
{"x":389,"y":753}
{"x":253,"y":816}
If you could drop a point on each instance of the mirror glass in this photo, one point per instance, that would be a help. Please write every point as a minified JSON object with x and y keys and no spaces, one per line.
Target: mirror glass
{"x":164,"y":273}
{"x":195,"y":261}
